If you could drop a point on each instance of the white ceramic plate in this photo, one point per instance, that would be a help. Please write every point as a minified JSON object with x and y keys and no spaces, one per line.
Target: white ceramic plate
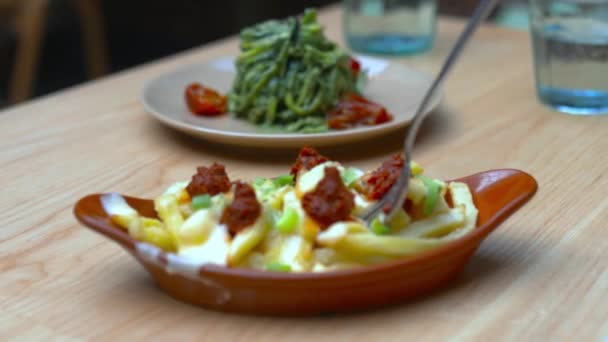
{"x":395,"y":86}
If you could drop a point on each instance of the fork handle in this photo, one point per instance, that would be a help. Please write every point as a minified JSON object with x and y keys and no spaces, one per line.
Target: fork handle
{"x":482,"y":11}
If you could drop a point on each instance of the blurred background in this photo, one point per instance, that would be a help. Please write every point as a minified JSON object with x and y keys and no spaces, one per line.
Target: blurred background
{"x":48,"y":45}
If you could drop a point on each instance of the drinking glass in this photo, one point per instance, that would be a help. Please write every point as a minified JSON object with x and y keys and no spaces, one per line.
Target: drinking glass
{"x":570,"y":43}
{"x":390,"y":27}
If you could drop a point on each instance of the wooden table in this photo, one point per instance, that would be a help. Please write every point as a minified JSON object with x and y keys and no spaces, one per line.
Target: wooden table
{"x":542,"y":275}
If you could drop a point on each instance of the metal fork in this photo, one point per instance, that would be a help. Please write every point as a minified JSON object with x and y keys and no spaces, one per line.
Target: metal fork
{"x":395,"y":197}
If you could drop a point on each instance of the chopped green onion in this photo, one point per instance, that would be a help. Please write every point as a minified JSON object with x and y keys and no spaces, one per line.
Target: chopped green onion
{"x":379,"y":228}
{"x":283,"y":180}
{"x":258,"y":181}
{"x":201,"y":202}
{"x":433,"y":189}
{"x":350,"y":175}
{"x":288,"y":221}
{"x":278,"y":267}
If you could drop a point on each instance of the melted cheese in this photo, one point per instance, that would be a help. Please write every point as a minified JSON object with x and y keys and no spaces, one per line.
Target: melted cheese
{"x":213,"y":251}
{"x":115,"y":205}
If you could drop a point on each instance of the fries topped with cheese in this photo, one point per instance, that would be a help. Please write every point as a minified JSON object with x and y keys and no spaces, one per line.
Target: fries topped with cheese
{"x":305,"y":221}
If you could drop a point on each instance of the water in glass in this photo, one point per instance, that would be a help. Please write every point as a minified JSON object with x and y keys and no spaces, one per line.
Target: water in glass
{"x":570,"y":40}
{"x":391,"y":27}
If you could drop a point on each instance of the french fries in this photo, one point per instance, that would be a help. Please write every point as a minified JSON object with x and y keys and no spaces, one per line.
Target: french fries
{"x":141,"y":228}
{"x":355,"y":239}
{"x":168,"y":211}
{"x":435,"y":226}
{"x":391,"y":246}
{"x":284,"y":238}
{"x":154,"y":233}
{"x":196,"y":228}
{"x":461,"y":196}
{"x":247,"y":240}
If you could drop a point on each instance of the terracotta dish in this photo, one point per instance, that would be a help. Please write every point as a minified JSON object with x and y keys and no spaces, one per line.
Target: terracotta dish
{"x":497,"y":194}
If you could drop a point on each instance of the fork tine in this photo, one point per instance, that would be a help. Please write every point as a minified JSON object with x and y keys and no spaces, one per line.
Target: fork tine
{"x":394,"y":193}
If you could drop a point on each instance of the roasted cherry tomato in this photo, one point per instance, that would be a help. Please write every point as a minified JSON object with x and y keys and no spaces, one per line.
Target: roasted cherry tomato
{"x":205,"y":101}
{"x":355,"y":66}
{"x":354,"y":109}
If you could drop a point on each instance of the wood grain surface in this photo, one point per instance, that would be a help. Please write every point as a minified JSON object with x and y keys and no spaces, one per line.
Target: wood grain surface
{"x":542,"y":276}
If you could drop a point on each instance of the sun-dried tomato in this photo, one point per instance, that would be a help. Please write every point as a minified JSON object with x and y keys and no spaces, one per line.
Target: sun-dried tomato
{"x":330,"y":201}
{"x":209,"y":180}
{"x":244,"y":209}
{"x":381,"y":179}
{"x":353,"y":110}
{"x":307,"y":159}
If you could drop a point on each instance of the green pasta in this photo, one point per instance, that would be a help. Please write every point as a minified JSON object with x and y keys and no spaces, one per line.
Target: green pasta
{"x":289,"y":75}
